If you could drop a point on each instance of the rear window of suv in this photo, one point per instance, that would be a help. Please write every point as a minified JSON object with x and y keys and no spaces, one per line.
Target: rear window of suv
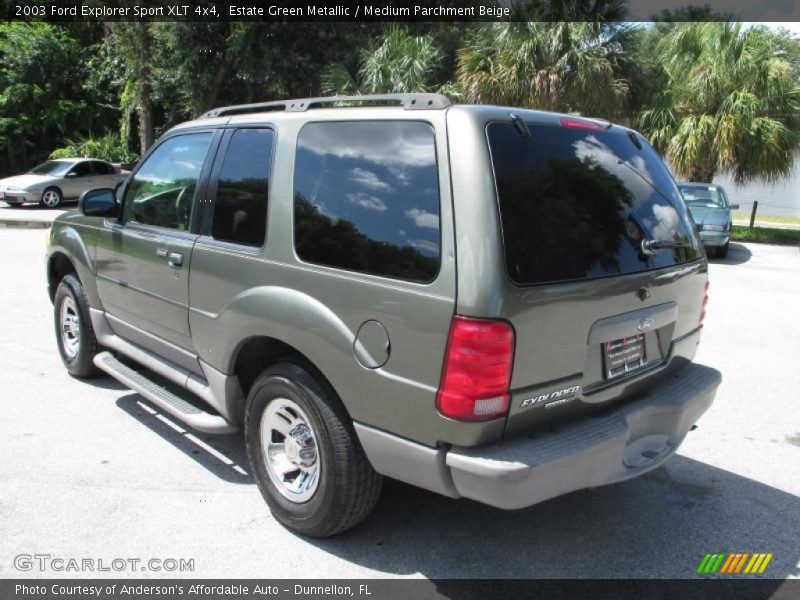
{"x":576,"y":203}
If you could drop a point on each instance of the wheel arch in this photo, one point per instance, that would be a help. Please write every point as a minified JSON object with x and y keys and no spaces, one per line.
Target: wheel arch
{"x":254,"y":354}
{"x":68,"y":252}
{"x":58,"y":266}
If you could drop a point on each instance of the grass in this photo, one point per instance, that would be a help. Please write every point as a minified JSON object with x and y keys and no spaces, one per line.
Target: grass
{"x":765,"y":235}
{"x":739,"y":216}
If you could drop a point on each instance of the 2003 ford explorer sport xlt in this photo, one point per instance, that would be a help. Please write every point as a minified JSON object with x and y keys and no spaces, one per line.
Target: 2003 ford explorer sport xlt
{"x":491,"y":303}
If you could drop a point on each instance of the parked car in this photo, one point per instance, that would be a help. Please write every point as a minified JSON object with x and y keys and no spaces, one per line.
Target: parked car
{"x":490,"y":303}
{"x":711,"y":211}
{"x":55,"y":181}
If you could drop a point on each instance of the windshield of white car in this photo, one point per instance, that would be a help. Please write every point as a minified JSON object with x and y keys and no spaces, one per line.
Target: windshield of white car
{"x":54,"y":168}
{"x":707,"y":196}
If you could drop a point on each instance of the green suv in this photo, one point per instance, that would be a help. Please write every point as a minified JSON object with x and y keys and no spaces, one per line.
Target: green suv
{"x":490,"y":303}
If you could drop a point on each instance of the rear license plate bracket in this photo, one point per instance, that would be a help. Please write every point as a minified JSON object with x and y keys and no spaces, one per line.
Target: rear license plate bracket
{"x":623,"y":356}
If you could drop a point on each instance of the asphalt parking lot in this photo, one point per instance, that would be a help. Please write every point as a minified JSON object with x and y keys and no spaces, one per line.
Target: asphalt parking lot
{"x":90,"y":470}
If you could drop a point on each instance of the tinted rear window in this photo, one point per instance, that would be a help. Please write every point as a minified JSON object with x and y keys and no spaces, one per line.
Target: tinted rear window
{"x":572,"y":205}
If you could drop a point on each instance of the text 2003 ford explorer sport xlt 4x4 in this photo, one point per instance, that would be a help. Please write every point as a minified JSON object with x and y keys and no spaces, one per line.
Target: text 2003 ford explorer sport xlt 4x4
{"x":489,"y":303}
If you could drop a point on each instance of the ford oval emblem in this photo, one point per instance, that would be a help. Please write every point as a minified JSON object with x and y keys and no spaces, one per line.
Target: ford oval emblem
{"x":645,"y":324}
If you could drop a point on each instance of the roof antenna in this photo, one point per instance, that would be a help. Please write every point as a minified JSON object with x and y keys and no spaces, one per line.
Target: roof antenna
{"x":520,"y":125}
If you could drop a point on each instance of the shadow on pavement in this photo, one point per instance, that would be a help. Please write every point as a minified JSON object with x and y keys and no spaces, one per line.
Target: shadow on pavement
{"x":224,"y":455}
{"x":737,"y":254}
{"x":656,"y":526}
{"x":659,"y":525}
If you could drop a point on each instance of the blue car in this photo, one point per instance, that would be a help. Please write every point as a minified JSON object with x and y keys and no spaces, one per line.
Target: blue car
{"x":710,"y":209}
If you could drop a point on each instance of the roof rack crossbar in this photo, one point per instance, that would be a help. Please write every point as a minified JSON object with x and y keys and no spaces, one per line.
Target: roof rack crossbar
{"x":409,"y":102}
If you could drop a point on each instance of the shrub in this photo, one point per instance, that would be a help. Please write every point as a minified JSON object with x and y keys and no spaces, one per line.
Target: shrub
{"x":109,"y":147}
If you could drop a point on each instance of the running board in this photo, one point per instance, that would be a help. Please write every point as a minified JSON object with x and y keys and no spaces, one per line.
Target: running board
{"x":167,"y":401}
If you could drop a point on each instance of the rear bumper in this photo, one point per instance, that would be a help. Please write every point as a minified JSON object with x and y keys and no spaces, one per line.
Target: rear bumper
{"x":623,"y":443}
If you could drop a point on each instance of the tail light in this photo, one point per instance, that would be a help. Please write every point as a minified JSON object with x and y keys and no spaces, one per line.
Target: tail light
{"x":703,"y":308}
{"x":477,"y":370}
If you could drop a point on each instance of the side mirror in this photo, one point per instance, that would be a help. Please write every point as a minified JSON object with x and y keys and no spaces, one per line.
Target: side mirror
{"x":71,"y":175}
{"x":733,"y":206}
{"x":99,"y":202}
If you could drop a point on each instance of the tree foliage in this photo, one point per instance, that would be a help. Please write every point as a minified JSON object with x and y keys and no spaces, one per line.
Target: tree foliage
{"x":571,"y":67}
{"x":712,"y":96}
{"x":725,"y":99}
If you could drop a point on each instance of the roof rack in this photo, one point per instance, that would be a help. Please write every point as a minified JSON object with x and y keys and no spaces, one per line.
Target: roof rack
{"x":409,"y":102}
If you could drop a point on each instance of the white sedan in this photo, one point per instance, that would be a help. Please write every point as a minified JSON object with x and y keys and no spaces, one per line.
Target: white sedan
{"x":57,"y":180}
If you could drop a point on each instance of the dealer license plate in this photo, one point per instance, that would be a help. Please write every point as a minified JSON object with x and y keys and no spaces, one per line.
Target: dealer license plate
{"x":623,"y":356}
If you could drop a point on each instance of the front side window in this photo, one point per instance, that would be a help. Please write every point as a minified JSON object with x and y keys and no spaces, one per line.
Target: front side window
{"x":162,"y":190}
{"x":82,"y":169}
{"x":240,"y":209}
{"x":366,"y":198}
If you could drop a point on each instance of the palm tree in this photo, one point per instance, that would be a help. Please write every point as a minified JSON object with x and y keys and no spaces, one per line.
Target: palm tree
{"x":727,"y":100}
{"x":399,"y":63}
{"x":571,"y":67}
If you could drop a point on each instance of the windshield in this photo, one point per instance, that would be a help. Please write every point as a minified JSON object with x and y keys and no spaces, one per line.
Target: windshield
{"x":55,"y":168}
{"x":576,"y":203}
{"x":709,"y":196}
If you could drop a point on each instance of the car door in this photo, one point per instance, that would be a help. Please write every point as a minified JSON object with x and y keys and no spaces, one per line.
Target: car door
{"x":78,"y":179}
{"x":143,"y":258}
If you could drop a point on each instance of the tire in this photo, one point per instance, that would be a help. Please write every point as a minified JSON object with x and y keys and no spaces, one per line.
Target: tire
{"x":711,"y":251}
{"x":76,"y":345}
{"x":341,"y":488}
{"x":722,"y":251}
{"x":52,"y":198}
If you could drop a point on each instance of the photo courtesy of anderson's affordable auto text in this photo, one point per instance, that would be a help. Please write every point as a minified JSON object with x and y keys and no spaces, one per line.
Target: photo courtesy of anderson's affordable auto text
{"x":386,"y":300}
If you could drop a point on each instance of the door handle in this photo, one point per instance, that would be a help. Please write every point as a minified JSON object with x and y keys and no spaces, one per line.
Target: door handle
{"x":162,"y":252}
{"x":175,"y":259}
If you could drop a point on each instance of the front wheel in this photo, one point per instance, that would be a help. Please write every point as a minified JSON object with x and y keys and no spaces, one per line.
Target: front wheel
{"x":77,"y":343}
{"x":304,"y":453}
{"x":52,"y":198}
{"x":722,"y":251}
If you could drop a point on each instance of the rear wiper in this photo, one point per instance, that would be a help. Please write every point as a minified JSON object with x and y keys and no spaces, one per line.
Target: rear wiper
{"x":651,"y":247}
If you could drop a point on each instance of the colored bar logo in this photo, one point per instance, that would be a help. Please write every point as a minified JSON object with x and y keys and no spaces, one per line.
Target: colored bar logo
{"x":734,"y":563}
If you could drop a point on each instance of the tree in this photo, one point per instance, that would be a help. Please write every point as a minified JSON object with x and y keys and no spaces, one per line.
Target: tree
{"x":399,"y":62}
{"x":134,"y":41}
{"x":725,"y":98}
{"x":570,"y":67}
{"x":43,"y":95}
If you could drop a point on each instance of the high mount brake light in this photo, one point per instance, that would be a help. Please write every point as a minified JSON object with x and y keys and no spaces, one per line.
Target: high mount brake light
{"x":477,"y":370}
{"x":573,"y":123}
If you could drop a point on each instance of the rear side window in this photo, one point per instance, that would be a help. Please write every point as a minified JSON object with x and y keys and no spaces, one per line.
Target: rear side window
{"x":240,"y":209}
{"x":101,"y":168}
{"x":366,"y":198}
{"x":576,"y":203}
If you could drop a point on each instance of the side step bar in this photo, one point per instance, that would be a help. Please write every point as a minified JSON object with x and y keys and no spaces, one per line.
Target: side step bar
{"x":167,"y":401}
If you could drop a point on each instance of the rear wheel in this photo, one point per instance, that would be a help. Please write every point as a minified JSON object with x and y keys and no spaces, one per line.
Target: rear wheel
{"x":304,"y":453}
{"x":77,"y":343}
{"x":52,"y":198}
